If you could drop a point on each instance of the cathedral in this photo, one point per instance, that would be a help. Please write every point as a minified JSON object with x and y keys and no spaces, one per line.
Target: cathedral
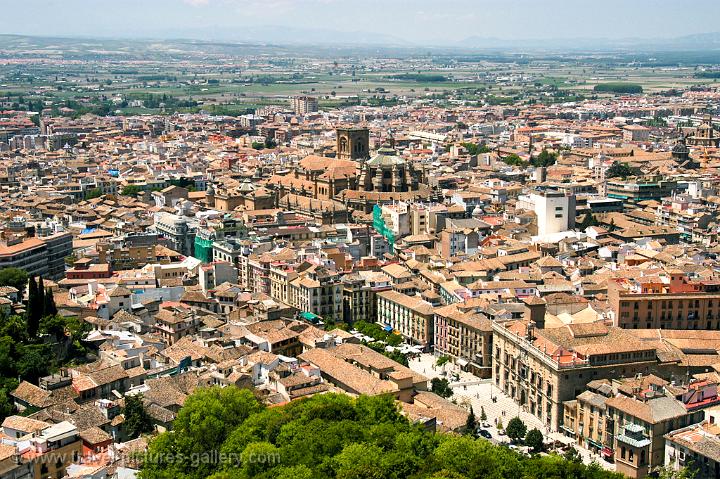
{"x":386,"y":172}
{"x":354,"y":178}
{"x":705,"y":135}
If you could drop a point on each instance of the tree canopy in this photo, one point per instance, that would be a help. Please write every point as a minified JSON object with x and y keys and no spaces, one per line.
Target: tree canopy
{"x":441,"y":387}
{"x":619,"y":170}
{"x":513,"y":160}
{"x":15,"y":277}
{"x":545,"y":158}
{"x":93,"y":193}
{"x":516,"y":429}
{"x":227,"y":434}
{"x":475,"y":148}
{"x":137,"y":419}
{"x":130,"y":190}
{"x":534,"y":439}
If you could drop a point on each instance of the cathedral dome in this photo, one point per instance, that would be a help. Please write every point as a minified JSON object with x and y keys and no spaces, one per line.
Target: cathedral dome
{"x":246,"y":186}
{"x":385,"y":156}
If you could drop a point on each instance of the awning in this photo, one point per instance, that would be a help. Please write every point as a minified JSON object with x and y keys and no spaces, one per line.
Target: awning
{"x":388,"y":328}
{"x":462,"y":362}
{"x":607,"y":452}
{"x":307,"y":316}
{"x":593,"y":443}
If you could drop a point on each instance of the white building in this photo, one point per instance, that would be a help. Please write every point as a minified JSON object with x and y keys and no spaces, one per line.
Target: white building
{"x":555,"y":211}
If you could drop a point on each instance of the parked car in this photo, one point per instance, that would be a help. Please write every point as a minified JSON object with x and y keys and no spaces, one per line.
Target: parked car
{"x":483,"y":433}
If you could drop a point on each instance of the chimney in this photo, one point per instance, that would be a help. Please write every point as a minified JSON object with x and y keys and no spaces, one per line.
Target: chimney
{"x":535,"y":311}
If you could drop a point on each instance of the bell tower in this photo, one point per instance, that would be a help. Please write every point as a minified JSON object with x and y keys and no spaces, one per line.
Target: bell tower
{"x":353,"y":143}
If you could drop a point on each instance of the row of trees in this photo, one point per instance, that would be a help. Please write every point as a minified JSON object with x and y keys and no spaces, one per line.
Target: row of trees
{"x":226,"y":433}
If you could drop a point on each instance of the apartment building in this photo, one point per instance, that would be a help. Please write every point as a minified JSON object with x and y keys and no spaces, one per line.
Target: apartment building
{"x":172,"y":325}
{"x":360,"y":295}
{"x":466,"y":337}
{"x":128,"y":252}
{"x":640,"y":418}
{"x":668,"y":301}
{"x":411,"y":316}
{"x":302,"y":105}
{"x":634,"y":190}
{"x":357,"y":369}
{"x":317,"y":291}
{"x":39,"y":256}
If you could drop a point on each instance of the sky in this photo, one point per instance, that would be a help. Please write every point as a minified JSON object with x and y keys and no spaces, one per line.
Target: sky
{"x":418,"y":22}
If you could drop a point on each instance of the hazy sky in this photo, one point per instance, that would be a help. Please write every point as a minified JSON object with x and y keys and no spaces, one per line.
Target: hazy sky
{"x":417,"y":21}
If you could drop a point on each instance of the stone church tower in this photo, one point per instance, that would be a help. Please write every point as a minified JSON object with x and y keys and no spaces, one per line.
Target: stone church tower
{"x":353,"y":143}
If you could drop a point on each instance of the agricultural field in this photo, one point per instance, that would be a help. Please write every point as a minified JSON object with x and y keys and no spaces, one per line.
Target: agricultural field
{"x":74,"y":77}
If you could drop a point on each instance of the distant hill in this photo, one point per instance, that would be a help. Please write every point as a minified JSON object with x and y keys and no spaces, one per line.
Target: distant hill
{"x":697,"y":42}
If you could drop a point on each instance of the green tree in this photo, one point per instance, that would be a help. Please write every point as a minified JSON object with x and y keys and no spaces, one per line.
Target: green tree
{"x":513,"y":160}
{"x":33,"y":362}
{"x":49,"y":307}
{"x":332,"y":436}
{"x":442,"y":360}
{"x":572,"y":455}
{"x":667,"y":472}
{"x":130,"y":190}
{"x":588,"y":221}
{"x":544,"y":159}
{"x":619,"y":170}
{"x":534,"y":439}
{"x":15,"y":277}
{"x":15,"y":328}
{"x":470,"y":422}
{"x":93,"y":193}
{"x":295,"y":472}
{"x":516,"y":429}
{"x":54,"y":326}
{"x":472,"y":148}
{"x":33,"y":311}
{"x":259,"y":457}
{"x":483,"y":416}
{"x":359,"y":461}
{"x":7,"y":407}
{"x":137,"y":419}
{"x":441,"y":387}
{"x":40,"y":300}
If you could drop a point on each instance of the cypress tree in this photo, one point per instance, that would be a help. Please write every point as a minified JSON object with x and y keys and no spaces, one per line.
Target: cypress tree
{"x":471,"y":422}
{"x":49,"y":308}
{"x":41,"y":297}
{"x":32,"y":312}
